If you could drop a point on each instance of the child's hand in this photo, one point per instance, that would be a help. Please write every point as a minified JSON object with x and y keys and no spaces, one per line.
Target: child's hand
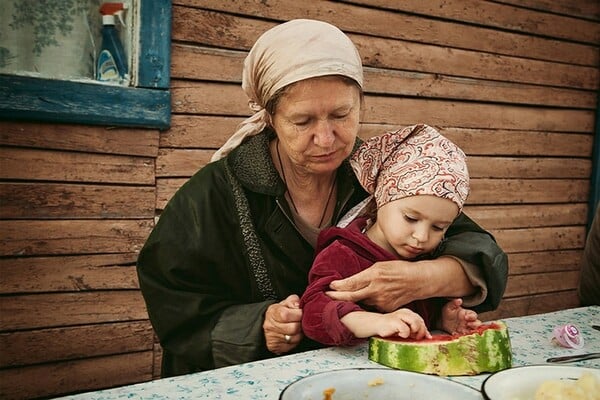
{"x":403,"y":323}
{"x":456,"y":319}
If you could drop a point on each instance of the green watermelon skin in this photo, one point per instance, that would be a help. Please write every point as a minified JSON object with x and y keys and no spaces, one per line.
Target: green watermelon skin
{"x":486,"y":350}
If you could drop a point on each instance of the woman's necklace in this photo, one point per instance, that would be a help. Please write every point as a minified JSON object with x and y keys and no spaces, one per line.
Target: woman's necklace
{"x":290,"y":193}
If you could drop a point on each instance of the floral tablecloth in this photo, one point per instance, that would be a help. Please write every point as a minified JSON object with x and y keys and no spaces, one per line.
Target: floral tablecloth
{"x":530,"y":339}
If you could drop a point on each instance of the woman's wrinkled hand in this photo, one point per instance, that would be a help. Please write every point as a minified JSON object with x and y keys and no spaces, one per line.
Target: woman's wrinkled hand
{"x":283,"y":325}
{"x":385,"y":285}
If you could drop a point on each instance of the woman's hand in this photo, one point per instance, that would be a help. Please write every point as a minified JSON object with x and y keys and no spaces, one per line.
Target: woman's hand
{"x":385,"y":285}
{"x":389,"y":285}
{"x":283,"y":325}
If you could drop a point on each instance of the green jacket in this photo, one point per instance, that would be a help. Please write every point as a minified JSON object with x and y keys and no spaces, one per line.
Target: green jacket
{"x":203,"y":299}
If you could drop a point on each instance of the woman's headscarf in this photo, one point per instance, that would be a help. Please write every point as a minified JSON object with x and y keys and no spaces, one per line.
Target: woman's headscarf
{"x":288,"y":53}
{"x":416,"y":160}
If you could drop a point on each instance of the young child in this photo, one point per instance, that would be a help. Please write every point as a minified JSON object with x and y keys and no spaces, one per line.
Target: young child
{"x":419,"y":182}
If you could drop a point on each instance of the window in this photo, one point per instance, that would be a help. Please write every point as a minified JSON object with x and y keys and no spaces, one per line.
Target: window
{"x":70,"y":93}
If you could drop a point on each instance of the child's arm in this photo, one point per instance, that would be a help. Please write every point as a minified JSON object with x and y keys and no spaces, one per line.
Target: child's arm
{"x":402,"y":322}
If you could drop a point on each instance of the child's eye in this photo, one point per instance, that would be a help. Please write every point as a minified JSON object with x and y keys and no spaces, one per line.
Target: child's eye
{"x":410,"y":219}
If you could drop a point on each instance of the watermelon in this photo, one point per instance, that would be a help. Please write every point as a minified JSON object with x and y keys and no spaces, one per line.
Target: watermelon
{"x":486,"y":349}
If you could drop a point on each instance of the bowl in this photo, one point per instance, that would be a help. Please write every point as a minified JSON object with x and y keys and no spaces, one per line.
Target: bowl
{"x":520,"y":383}
{"x":376,"y":383}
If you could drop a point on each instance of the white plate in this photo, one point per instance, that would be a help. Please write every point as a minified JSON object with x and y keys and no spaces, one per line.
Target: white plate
{"x":520,"y":383}
{"x":361,"y":383}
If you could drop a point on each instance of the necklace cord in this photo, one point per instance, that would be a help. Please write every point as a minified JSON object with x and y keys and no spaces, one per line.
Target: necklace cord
{"x":290,"y":194}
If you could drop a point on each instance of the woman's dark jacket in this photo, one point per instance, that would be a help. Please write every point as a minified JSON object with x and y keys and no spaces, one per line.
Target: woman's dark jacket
{"x":202,"y":297}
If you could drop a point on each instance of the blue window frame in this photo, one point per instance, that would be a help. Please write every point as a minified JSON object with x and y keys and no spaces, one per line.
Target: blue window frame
{"x":148,"y":104}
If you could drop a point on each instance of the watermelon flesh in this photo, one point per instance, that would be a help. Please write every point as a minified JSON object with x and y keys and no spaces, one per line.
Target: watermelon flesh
{"x":486,"y":349}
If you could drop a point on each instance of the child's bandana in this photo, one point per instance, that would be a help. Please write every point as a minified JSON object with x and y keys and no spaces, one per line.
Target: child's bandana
{"x":416,"y":160}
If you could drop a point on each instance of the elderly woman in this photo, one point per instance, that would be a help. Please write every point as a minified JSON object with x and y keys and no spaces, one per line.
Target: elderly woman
{"x":223,"y":269}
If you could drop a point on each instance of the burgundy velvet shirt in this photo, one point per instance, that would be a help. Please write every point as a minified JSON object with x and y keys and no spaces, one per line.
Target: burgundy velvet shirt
{"x":342,"y":252}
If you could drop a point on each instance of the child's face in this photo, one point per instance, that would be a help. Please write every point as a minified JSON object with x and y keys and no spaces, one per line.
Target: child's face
{"x":413,"y":225}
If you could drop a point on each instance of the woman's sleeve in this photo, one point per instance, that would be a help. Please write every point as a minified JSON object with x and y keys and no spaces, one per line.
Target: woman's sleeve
{"x":193,"y":278}
{"x":471,"y":244}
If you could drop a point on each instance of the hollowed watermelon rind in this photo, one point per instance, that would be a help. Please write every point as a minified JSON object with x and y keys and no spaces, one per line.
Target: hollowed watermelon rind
{"x":487,"y":350}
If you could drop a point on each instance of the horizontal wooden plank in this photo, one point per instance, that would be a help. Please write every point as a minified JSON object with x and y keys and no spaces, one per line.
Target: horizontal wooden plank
{"x":544,"y":261}
{"x":92,"y":139}
{"x":437,"y":85}
{"x":51,"y":165}
{"x":214,"y":98}
{"x":540,"y":239}
{"x":181,"y":162}
{"x":528,"y":216}
{"x":528,"y":167}
{"x":545,"y":282}
{"x":225,"y":66}
{"x":35,"y":311}
{"x":535,"y":304}
{"x":524,"y":191}
{"x":520,"y":143}
{"x":69,"y":343}
{"x":383,"y":23}
{"x":205,"y":63}
{"x":379,"y":109}
{"x":52,"y":200}
{"x":587,"y":9}
{"x":63,"y":378}
{"x":191,"y":131}
{"x":497,"y":15}
{"x":67,"y":274}
{"x":500,"y":142}
{"x":69,"y":237}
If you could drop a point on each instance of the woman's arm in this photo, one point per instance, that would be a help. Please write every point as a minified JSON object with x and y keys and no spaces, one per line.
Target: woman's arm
{"x":195,"y":281}
{"x":389,"y":285}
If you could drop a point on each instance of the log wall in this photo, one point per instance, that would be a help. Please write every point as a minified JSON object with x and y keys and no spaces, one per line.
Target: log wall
{"x":514,"y":83}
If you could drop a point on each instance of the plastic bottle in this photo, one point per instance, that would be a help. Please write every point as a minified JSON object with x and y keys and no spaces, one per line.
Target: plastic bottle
{"x":112,"y":64}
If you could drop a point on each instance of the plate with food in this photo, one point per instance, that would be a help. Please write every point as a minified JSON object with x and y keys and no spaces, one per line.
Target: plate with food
{"x":543,"y":382}
{"x":376,"y":383}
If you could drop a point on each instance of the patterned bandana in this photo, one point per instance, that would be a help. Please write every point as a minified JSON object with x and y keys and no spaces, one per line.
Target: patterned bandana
{"x":416,"y":160}
{"x":290,"y":52}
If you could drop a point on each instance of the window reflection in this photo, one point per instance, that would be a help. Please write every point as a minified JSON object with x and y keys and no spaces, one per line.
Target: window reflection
{"x":59,"y":39}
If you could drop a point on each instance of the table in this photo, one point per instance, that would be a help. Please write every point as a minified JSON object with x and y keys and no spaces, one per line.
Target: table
{"x":265,"y":379}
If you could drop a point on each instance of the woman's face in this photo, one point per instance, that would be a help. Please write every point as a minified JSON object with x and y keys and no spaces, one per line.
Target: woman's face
{"x":317,"y":121}
{"x":412,"y":226}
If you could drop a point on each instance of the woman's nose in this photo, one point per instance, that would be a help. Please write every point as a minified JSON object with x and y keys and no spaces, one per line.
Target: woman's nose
{"x":324,"y":136}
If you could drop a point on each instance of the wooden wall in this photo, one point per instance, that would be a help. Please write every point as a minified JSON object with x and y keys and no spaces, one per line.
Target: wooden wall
{"x":514,"y":83}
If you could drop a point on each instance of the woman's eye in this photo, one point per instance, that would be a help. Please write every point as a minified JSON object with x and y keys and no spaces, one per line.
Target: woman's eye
{"x":438,"y":228}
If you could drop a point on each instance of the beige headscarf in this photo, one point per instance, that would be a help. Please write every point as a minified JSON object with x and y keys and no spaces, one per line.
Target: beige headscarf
{"x":288,"y":53}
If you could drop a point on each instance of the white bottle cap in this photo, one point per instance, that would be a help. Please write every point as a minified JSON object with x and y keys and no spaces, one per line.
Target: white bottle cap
{"x":108,"y":19}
